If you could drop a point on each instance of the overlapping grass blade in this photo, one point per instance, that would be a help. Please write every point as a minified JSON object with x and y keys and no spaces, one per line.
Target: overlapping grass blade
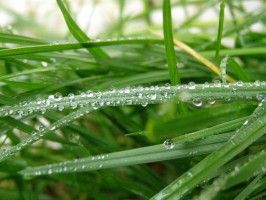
{"x":41,"y":133}
{"x":129,"y":157}
{"x":245,"y":136}
{"x":78,"y":33}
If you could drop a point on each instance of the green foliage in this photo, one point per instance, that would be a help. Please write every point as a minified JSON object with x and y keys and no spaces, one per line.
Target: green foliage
{"x":98,"y":119}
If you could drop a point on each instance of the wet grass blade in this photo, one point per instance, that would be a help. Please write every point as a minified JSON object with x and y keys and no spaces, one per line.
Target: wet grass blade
{"x":131,"y":157}
{"x":201,"y":171}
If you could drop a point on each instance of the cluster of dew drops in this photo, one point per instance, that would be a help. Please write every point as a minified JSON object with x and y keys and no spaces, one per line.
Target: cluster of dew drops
{"x":126,"y":96}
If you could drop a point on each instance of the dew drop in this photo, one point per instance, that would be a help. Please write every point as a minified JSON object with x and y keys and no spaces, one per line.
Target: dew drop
{"x":138,"y":94}
{"x":52,"y":128}
{"x":44,"y":64}
{"x":239,"y":83}
{"x":58,"y":96}
{"x":73,"y":105}
{"x":211,"y":100}
{"x":41,"y":128}
{"x":60,"y":107}
{"x":71,"y":96}
{"x":197,"y":102}
{"x":191,"y":85}
{"x":168,"y":144}
{"x":153,"y":96}
{"x":190,"y":174}
{"x":89,"y":93}
{"x":257,"y":83}
{"x":164,"y":93}
{"x":217,"y":83}
{"x":167,"y":85}
{"x":144,"y":104}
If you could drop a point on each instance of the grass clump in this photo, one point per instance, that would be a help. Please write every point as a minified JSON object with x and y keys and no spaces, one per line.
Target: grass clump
{"x":98,"y":119}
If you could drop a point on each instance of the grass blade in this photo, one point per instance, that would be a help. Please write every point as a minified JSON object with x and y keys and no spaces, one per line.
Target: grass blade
{"x":73,"y":45}
{"x":130,"y":157}
{"x":78,"y":33}
{"x":245,"y":136}
{"x":220,"y":32}
{"x":169,"y":45}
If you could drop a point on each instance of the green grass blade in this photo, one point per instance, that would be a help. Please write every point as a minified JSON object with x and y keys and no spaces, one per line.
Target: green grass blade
{"x":73,"y":45}
{"x":169,"y":44}
{"x":240,"y":173}
{"x":129,"y":157}
{"x":78,"y":33}
{"x":249,"y":133}
{"x":42,"y":133}
{"x":220,"y":32}
{"x":140,"y":96}
{"x":239,"y":71}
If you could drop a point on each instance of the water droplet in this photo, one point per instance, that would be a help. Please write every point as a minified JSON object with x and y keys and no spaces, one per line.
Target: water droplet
{"x":49,"y":171}
{"x":52,"y":128}
{"x":197,"y":102}
{"x":167,"y":85}
{"x":41,"y":128}
{"x":257,"y":83}
{"x":144,"y":104}
{"x":217,"y":83}
{"x":239,"y":83}
{"x":73,"y":105}
{"x":191,"y":85}
{"x":58,"y":96}
{"x":189,"y":174}
{"x":138,"y":94}
{"x":44,"y":64}
{"x":168,"y":144}
{"x":153,"y":96}
{"x":89,"y":93}
{"x":60,"y":107}
{"x":71,"y":96}
{"x":100,"y":166}
{"x":211,"y":100}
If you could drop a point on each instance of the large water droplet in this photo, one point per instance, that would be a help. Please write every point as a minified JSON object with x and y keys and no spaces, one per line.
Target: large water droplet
{"x":168,"y":144}
{"x":197,"y":102}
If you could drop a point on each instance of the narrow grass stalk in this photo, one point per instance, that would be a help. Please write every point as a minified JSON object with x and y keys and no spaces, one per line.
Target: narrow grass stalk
{"x":169,"y":45}
{"x":74,"y":45}
{"x":78,"y":33}
{"x":220,"y":32}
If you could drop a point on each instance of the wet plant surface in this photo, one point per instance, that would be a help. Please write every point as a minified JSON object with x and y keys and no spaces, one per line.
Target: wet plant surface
{"x":142,"y":115}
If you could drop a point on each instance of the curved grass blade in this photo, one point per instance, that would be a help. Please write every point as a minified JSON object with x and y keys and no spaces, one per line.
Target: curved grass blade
{"x":252,"y":130}
{"x":131,"y":157}
{"x":78,"y":33}
{"x":18,"y":39}
{"x":40,"y":134}
{"x":169,"y":45}
{"x":244,"y":172}
{"x":143,"y":96}
{"x":74,"y":45}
